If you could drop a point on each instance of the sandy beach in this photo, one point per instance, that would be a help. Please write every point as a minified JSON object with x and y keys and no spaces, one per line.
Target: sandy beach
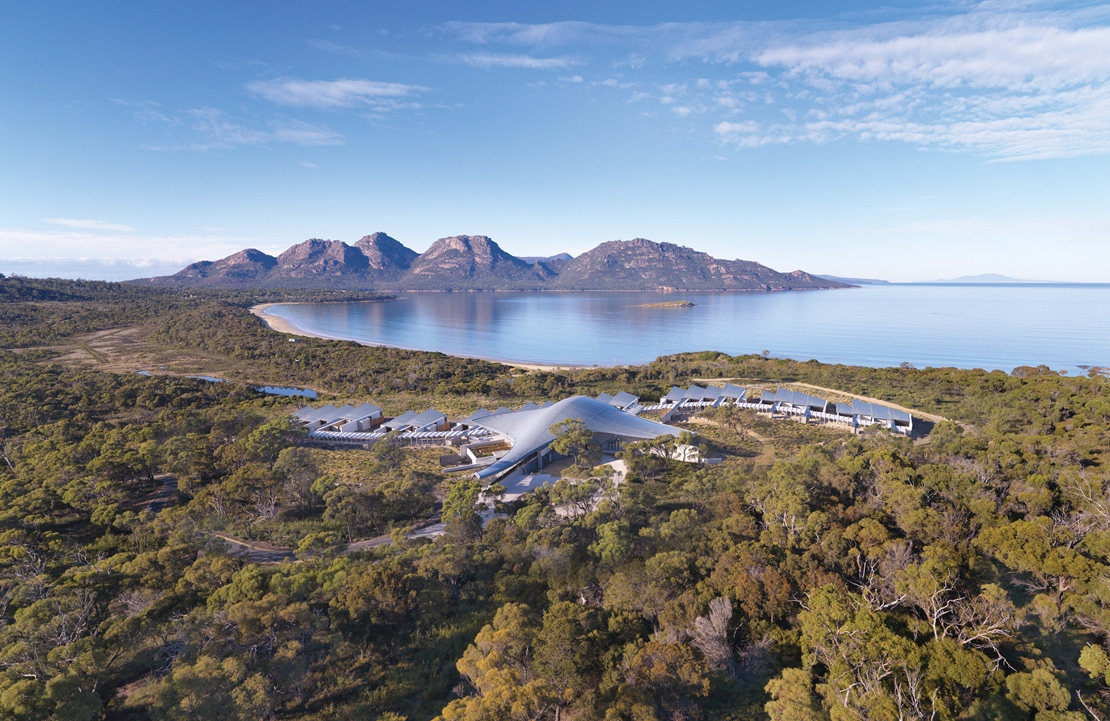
{"x":281,"y":325}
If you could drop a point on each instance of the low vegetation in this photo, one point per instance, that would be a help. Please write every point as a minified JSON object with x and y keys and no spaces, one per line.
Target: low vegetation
{"x":812,"y":574}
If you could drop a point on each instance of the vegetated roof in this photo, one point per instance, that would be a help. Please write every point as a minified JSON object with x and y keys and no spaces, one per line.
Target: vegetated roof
{"x":529,"y":431}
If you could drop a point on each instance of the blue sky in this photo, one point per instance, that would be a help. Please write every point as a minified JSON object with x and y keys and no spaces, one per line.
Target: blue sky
{"x":906,"y":141}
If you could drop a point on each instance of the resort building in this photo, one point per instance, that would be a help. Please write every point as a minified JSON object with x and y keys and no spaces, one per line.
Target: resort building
{"x":621,"y":401}
{"x":698,"y":397}
{"x":500,"y":441}
{"x":413,"y":422}
{"x":343,"y":419}
{"x":876,"y":414}
{"x":673,"y":397}
{"x":785,"y":402}
{"x":528,"y":435}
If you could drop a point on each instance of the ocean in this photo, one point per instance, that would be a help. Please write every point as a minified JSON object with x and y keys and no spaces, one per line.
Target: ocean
{"x":989,"y":326}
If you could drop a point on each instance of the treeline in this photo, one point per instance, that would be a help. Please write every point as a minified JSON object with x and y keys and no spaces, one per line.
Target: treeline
{"x":224,"y":329}
{"x":39,"y":311}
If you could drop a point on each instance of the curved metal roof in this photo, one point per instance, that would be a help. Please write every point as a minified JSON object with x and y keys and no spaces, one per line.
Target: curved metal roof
{"x":529,"y":430}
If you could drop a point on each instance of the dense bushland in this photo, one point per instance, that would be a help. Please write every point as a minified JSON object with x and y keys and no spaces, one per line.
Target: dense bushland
{"x":812,"y":575}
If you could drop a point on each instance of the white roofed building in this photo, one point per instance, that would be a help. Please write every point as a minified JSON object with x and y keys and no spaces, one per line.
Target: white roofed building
{"x":529,"y":431}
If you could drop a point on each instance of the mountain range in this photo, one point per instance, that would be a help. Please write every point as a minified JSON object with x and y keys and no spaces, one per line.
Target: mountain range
{"x":475,"y":262}
{"x":985,"y":278}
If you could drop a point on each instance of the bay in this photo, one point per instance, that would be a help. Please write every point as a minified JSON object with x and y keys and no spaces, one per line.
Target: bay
{"x":1063,"y":326}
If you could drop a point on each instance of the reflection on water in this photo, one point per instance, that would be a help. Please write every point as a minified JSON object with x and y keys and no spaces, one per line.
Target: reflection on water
{"x":993,"y":327}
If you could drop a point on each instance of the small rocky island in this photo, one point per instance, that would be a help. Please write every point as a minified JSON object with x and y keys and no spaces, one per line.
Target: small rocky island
{"x":668,"y":304}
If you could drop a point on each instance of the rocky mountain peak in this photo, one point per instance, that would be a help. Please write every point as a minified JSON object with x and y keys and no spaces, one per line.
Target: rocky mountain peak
{"x":466,"y":254}
{"x":250,"y":256}
{"x":245,"y":266}
{"x":385,"y":253}
{"x":315,"y":257}
{"x":476,"y":262}
{"x":466,"y":260}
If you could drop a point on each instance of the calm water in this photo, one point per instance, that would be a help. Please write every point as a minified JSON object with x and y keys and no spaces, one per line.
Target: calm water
{"x":268,"y":390}
{"x":967,"y":326}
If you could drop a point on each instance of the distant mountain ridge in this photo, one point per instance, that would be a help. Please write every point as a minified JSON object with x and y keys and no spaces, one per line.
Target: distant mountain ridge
{"x":639,"y":263}
{"x":854,"y":281}
{"x":476,"y":262}
{"x":984,"y":278}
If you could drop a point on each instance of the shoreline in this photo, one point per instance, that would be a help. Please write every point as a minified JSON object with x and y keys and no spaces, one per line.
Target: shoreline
{"x":281,"y":325}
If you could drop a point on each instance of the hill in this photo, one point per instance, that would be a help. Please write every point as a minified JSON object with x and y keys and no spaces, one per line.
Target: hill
{"x":984,"y":278}
{"x":854,"y":281}
{"x":644,"y":264}
{"x":243,"y":268}
{"x":317,"y":258}
{"x":476,"y":262}
{"x":386,"y":255}
{"x":473,"y":262}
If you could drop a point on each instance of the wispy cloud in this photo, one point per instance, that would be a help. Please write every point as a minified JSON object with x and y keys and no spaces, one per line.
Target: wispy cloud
{"x":90,"y":224}
{"x":545,"y":35}
{"x":487,"y":61}
{"x":211,"y":129}
{"x":336,"y":48}
{"x":342,"y":93}
{"x":302,"y":133}
{"x":206,"y":128}
{"x":1005,"y":80}
{"x":1018,"y":92}
{"x":144,"y":110}
{"x":1016,"y":58}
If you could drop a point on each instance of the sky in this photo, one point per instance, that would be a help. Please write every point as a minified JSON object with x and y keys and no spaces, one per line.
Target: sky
{"x":895,"y":140}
